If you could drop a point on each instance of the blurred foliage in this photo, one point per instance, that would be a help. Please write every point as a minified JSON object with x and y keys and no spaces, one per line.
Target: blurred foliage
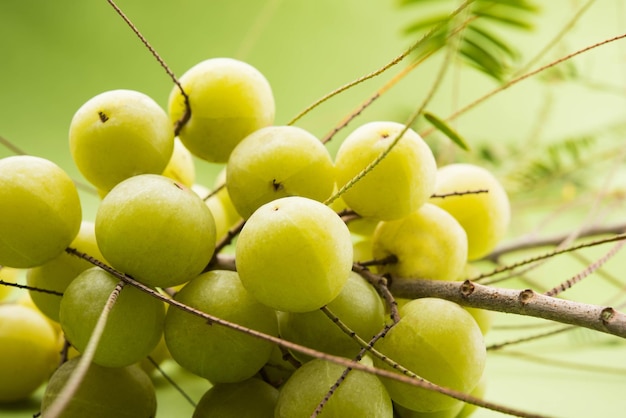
{"x":482,"y":45}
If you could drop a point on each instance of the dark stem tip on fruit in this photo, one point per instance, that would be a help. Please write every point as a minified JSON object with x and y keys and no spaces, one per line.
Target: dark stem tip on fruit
{"x":103,"y":116}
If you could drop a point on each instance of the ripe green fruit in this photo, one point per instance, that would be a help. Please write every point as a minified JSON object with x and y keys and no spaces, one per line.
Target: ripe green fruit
{"x":452,"y":412}
{"x":28,"y":351}
{"x":278,"y":161}
{"x":252,"y":398}
{"x":439,"y":341}
{"x":294,"y":254}
{"x":359,"y":395}
{"x":134,"y":325}
{"x":118,"y":134}
{"x":215,"y":352}
{"x":428,"y":244}
{"x":399,"y":184}
{"x":478,"y":392}
{"x":156,"y":230}
{"x":229,"y":99}
{"x":40,"y":211}
{"x":105,"y":392}
{"x":358,"y":306}
{"x":58,"y":273}
{"x":484,"y":216}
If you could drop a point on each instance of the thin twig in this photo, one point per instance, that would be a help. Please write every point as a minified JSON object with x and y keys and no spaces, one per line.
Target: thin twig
{"x":364,"y":349}
{"x":586,"y":272}
{"x":342,"y":361}
{"x":528,"y":75}
{"x":463,"y":193}
{"x":72,"y":384}
{"x":513,"y":266}
{"x":171,"y":381}
{"x":384,"y":68}
{"x":526,"y":243}
{"x":187,"y":114}
{"x":499,"y":346}
{"x":31,"y":288}
{"x":410,"y":121}
{"x":381,"y":284}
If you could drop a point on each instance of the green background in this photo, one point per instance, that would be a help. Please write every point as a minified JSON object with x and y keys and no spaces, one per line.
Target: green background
{"x":56,"y":55}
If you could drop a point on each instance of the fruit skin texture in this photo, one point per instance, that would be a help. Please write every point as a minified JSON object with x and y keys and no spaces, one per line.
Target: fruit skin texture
{"x":252,"y":398}
{"x":229,"y":99}
{"x":134,"y":325}
{"x":105,"y":392}
{"x":429,"y":244}
{"x":118,"y":134}
{"x":28,"y":351}
{"x":278,"y":161}
{"x":358,"y":306}
{"x":359,"y":395}
{"x":484,"y":216}
{"x":399,"y":184}
{"x":212,"y":351}
{"x":156,"y":230}
{"x":59,"y":272}
{"x":40,"y":211}
{"x":294,"y":254}
{"x":439,"y":341}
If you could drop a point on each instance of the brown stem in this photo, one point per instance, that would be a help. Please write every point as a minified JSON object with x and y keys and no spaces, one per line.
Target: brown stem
{"x":342,"y":361}
{"x":187,"y":115}
{"x":521,"y":302}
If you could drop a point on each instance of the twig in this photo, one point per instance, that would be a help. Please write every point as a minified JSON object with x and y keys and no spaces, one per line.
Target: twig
{"x":187,"y":115}
{"x":526,"y":243}
{"x":381,"y":70}
{"x":342,"y":361}
{"x":381,"y":284}
{"x":524,"y":77}
{"x":31,"y":288}
{"x":586,"y":272}
{"x":521,"y":302}
{"x":463,"y":193}
{"x":364,"y":349}
{"x":532,"y":260}
{"x":171,"y":381}
{"x":499,"y":346}
{"x":71,"y":386}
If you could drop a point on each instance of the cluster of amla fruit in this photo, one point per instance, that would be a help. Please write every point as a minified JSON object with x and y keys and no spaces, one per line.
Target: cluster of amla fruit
{"x":294,"y":254}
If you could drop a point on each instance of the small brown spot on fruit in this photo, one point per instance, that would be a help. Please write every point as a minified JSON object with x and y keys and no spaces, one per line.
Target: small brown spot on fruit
{"x":103,"y":116}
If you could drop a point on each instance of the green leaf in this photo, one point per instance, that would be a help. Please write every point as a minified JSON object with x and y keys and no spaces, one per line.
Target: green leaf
{"x":483,"y":60}
{"x":494,"y":41}
{"x":426,"y":23}
{"x":447,"y":130}
{"x":505,"y":17}
{"x":517,"y":4}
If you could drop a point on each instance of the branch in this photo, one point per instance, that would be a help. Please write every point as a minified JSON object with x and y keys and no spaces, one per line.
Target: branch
{"x":342,"y":361}
{"x":521,"y":302}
